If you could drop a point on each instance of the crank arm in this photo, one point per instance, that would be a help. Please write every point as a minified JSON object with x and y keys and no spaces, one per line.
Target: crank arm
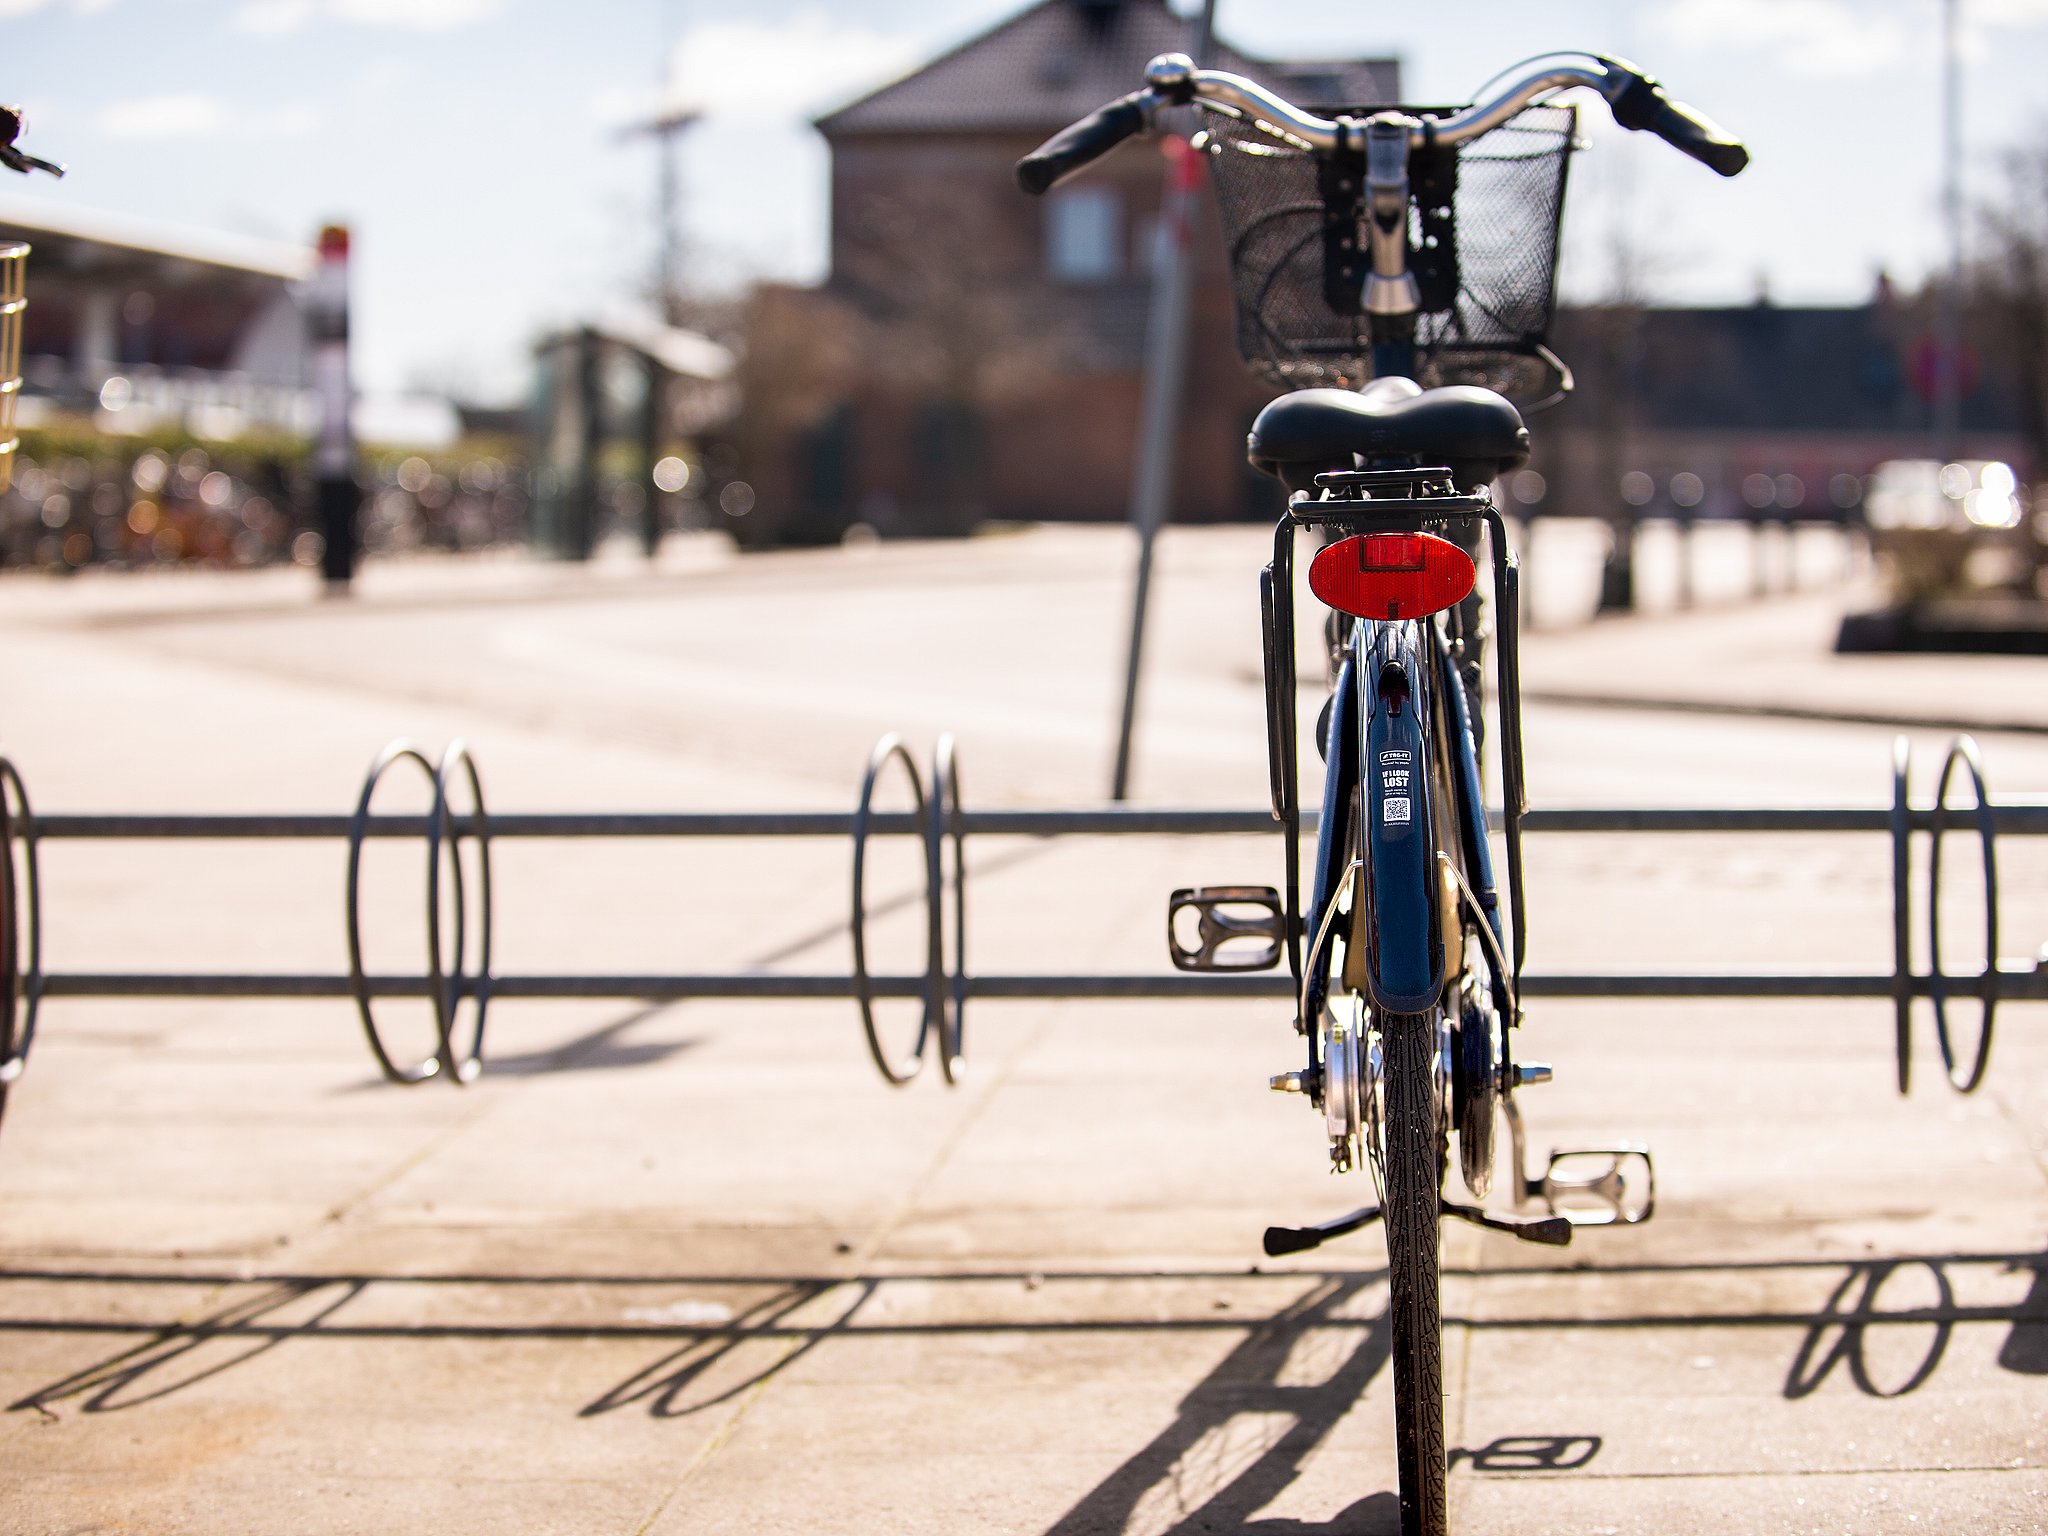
{"x":1281,"y":1240}
{"x":1552,"y":1231}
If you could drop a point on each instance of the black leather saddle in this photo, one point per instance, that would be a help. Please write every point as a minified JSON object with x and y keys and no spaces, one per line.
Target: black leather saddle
{"x":1476,"y":432}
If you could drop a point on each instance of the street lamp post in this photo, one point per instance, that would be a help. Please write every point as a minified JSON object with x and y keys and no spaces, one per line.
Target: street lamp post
{"x":1948,"y":349}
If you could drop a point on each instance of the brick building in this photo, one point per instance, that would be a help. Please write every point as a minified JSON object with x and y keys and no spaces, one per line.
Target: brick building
{"x":981,"y":351}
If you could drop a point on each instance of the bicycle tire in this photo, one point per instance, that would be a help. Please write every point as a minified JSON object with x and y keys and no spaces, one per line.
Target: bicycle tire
{"x":1414,"y":1152}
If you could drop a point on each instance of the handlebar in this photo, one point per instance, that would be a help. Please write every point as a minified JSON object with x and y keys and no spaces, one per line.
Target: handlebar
{"x":1636,"y":100}
{"x":1642,"y":104}
{"x":1084,"y":142}
{"x":11,"y":123}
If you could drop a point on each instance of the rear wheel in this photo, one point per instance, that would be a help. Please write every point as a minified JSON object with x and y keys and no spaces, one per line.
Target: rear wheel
{"x":1414,"y":1150}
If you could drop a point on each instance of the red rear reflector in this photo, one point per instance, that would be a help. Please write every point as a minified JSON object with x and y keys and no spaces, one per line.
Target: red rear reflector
{"x":1390,"y":552}
{"x":1392,"y":575}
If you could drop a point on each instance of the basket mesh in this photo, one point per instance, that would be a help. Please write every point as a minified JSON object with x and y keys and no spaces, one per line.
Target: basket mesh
{"x":1483,"y":241}
{"x":13,"y":269}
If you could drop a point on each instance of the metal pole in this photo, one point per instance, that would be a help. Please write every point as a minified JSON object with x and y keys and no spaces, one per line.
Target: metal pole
{"x":580,"y":534}
{"x":1165,"y":364}
{"x":1948,"y":372}
{"x":653,"y":432}
{"x":336,"y":497}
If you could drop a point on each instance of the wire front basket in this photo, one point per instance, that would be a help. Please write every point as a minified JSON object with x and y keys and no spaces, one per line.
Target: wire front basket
{"x":1483,"y":247}
{"x":13,"y":271}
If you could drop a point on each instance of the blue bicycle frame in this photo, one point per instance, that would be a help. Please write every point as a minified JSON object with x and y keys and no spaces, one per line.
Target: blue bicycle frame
{"x":1402,"y":779}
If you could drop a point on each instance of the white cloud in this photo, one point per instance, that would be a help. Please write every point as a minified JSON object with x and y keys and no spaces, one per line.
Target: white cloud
{"x":272,"y":17}
{"x":761,"y":71}
{"x":277,"y":17}
{"x":1830,"y":38}
{"x":191,"y":115}
{"x":182,"y":115}
{"x":25,"y":7}
{"x":2018,"y":14}
{"x":415,"y":15}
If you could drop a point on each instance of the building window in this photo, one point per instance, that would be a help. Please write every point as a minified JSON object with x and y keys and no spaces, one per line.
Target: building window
{"x":1084,"y":235}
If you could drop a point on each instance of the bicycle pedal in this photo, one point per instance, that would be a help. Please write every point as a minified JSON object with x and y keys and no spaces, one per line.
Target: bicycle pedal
{"x":1226,"y":915}
{"x":1600,"y":1186}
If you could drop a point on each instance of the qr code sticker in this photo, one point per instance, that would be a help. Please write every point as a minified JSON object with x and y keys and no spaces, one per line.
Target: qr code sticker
{"x":1394,"y":808}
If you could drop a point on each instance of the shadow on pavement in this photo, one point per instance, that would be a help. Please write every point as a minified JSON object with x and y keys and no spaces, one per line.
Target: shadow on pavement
{"x":2026,"y":1347}
{"x":600,"y":1050}
{"x":1842,"y":1337}
{"x":665,"y":1386}
{"x":1244,"y":1431}
{"x":1530,"y":1453}
{"x":182,"y":1355}
{"x":1240,"y":1435}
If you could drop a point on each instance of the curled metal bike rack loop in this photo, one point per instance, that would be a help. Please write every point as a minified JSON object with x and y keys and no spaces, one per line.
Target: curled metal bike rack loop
{"x":21,"y":929}
{"x":938,"y":820}
{"x":1987,"y":985}
{"x":447,"y":984}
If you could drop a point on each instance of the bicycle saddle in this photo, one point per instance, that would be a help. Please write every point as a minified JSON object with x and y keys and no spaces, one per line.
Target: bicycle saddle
{"x":1476,"y":432}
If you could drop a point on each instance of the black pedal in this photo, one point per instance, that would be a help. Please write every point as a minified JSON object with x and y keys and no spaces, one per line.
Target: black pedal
{"x":1236,"y":928}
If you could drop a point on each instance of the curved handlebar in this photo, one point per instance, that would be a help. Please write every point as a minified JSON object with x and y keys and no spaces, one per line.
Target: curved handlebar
{"x":1084,"y":142}
{"x":12,"y":121}
{"x":1636,"y":100}
{"x":1643,"y":104}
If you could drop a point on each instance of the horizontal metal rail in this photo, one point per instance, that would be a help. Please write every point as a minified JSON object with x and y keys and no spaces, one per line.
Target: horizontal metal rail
{"x":2022,"y":818}
{"x":2014,"y":982}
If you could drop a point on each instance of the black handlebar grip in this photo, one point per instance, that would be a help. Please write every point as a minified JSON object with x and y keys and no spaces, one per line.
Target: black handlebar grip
{"x":1081,"y":143}
{"x":1644,"y":106}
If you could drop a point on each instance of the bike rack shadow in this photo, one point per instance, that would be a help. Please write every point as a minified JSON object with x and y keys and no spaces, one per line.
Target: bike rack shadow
{"x":664,"y":1385}
{"x":1842,"y":1335}
{"x":2026,"y":1348}
{"x":600,"y":1050}
{"x":1238,"y":1439}
{"x":106,"y":1386}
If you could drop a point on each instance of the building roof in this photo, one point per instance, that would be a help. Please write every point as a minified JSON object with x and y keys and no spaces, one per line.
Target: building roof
{"x":122,"y":241}
{"x":1061,"y":59}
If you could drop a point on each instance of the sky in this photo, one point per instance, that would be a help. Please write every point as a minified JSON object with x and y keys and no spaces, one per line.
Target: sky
{"x":476,"y":147}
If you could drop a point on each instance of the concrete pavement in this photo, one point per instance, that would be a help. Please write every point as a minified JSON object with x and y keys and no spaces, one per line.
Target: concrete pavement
{"x":695,"y":1269}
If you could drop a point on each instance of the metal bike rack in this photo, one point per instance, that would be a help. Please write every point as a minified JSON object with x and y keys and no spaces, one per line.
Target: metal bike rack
{"x":945,"y":986}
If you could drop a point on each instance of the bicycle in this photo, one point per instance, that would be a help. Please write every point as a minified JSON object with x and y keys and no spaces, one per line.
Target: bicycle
{"x":13,"y":298}
{"x":14,"y":1041}
{"x":1394,"y":271}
